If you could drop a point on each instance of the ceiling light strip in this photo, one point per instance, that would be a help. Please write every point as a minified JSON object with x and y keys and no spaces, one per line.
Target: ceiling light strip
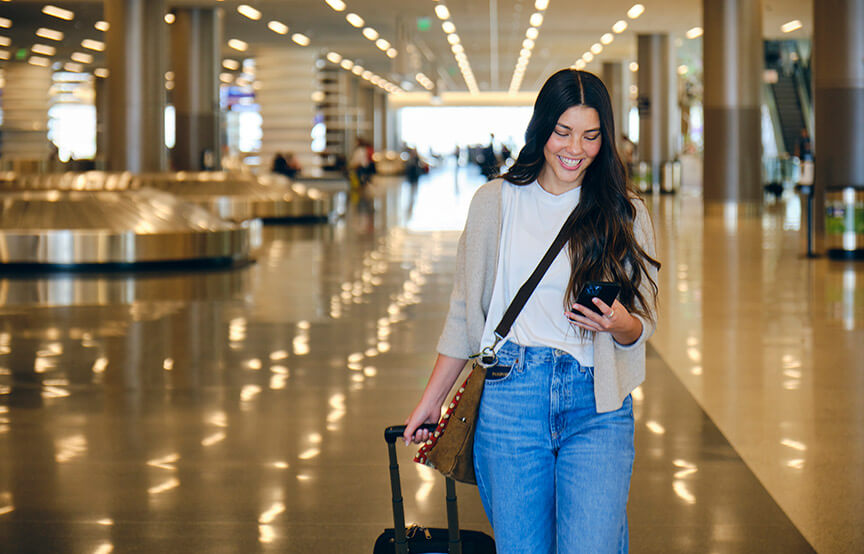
{"x":357,"y":69}
{"x":456,"y":47}
{"x":531,"y":36}
{"x":607,"y":38}
{"x":370,"y":33}
{"x":303,"y":40}
{"x":59,"y":13}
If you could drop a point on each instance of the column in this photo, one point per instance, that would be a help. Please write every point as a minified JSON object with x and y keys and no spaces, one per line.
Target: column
{"x":655,"y":103}
{"x":195,"y":43}
{"x":380,"y":121}
{"x":614,"y":78}
{"x":733,"y":57}
{"x":136,"y":87}
{"x":838,"y":82}
{"x":100,"y":91}
{"x":366,"y":113}
{"x":25,"y":116}
{"x":287,"y":75}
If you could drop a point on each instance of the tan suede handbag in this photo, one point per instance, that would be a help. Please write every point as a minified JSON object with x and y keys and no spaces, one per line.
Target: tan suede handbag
{"x":450,"y":450}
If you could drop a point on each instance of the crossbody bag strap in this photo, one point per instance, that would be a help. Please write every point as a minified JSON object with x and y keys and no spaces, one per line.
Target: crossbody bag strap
{"x":487,"y":356}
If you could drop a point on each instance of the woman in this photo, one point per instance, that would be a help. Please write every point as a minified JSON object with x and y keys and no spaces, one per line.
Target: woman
{"x":553,"y":448}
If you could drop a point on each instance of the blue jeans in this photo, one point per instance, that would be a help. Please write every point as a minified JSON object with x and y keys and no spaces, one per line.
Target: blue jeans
{"x":553,"y":474}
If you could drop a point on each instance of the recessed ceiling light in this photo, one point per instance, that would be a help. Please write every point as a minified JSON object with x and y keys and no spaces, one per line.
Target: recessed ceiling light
{"x":532,"y":33}
{"x":50,"y":34}
{"x":5,"y":23}
{"x":448,"y":27}
{"x":333,"y":57}
{"x":357,"y":69}
{"x":580,"y":64}
{"x":392,"y":52}
{"x":102,"y":26}
{"x":337,"y":5}
{"x":453,"y":38}
{"x":278,"y":27}
{"x":249,"y":11}
{"x":59,"y":13}
{"x":170,"y":18}
{"x":793,"y":25}
{"x":355,"y":20}
{"x":370,"y":33}
{"x":541,"y":4}
{"x":694,"y":32}
{"x":101,"y":72}
{"x":226,"y":77}
{"x":81,"y":57}
{"x":588,"y":57}
{"x":233,"y":65}
{"x":382,"y":44}
{"x":40,"y":61}
{"x":300,"y":39}
{"x":528,"y":44}
{"x":5,"y":41}
{"x":619,"y":27}
{"x":635,"y":11}
{"x":596,"y":48}
{"x":347,"y":64}
{"x":238,"y":45}
{"x":442,"y":12}
{"x":536,"y":19}
{"x":607,"y":38}
{"x":634,"y":67}
{"x":93,"y":44}
{"x":44,"y":49}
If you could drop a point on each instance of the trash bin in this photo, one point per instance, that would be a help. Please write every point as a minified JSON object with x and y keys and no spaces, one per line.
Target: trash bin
{"x":671,"y":177}
{"x":643,"y":178}
{"x":844,"y":222}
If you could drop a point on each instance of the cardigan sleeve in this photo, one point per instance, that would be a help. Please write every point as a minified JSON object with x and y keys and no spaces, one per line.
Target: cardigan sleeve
{"x":474,"y":278}
{"x":454,"y":338}
{"x":643,"y":230}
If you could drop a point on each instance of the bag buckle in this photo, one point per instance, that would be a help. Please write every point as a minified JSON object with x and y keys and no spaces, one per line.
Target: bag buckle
{"x":487,"y":357}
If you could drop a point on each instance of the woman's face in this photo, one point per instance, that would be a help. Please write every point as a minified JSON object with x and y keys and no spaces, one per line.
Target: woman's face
{"x":572,"y":146}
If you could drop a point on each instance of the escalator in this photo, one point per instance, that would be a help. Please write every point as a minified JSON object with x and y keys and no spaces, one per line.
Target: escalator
{"x":789,"y":113}
{"x":791,"y":102}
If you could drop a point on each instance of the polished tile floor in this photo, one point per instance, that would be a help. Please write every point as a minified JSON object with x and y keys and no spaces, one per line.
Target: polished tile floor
{"x":242,"y":410}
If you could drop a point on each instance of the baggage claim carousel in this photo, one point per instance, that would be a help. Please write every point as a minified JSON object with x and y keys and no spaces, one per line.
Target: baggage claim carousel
{"x":101,"y":220}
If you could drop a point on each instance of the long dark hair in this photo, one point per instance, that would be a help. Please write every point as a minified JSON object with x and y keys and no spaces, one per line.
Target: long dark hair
{"x":602,"y":245}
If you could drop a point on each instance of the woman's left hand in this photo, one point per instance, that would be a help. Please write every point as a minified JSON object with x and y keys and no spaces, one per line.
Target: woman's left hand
{"x":615,"y":320}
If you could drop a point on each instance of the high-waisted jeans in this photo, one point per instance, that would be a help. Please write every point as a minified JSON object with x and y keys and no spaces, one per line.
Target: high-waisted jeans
{"x":553,"y":474}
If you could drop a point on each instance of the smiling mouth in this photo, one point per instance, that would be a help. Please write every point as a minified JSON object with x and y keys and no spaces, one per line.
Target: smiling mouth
{"x":570,"y":163}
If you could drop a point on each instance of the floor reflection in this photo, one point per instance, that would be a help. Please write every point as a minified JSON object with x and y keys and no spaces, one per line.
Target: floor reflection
{"x":241,"y":410}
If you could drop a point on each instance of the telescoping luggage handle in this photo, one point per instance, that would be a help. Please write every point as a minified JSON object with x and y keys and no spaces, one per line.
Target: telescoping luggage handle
{"x":391,"y":435}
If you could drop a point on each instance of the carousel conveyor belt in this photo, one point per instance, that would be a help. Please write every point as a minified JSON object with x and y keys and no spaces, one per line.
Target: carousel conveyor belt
{"x":73,"y":228}
{"x":103,"y":219}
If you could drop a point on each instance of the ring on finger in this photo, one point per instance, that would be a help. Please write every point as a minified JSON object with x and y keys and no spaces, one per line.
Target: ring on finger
{"x":610,"y":315}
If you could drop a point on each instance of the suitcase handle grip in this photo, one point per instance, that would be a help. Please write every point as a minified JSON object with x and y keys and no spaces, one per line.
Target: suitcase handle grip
{"x":394,"y":432}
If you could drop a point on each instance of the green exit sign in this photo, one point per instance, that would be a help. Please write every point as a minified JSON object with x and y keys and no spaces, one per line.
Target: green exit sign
{"x":424,"y":24}
{"x":21,"y":54}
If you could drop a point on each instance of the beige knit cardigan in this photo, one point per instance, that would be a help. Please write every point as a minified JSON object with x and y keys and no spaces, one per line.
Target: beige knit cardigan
{"x":618,"y":369}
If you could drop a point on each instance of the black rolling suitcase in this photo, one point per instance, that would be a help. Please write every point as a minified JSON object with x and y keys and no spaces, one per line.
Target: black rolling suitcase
{"x":422,"y":539}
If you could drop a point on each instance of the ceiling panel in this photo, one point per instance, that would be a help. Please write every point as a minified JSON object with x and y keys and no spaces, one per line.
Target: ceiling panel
{"x":570,"y":27}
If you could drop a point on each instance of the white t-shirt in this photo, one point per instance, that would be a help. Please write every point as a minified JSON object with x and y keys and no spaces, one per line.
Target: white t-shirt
{"x":531,"y":219}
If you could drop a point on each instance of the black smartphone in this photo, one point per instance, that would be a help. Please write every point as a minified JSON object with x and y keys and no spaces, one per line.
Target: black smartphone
{"x":604,"y":290}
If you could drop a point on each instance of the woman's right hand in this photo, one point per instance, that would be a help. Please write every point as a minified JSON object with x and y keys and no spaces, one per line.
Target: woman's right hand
{"x":423,"y":413}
